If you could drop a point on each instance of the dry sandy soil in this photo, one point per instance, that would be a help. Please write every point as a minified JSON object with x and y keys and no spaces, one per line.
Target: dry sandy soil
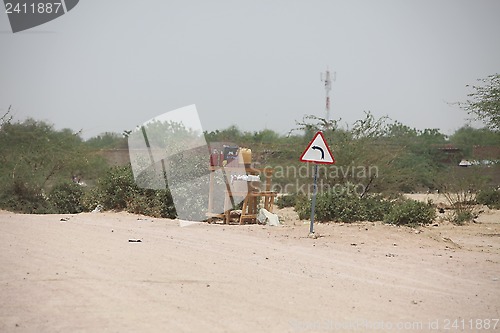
{"x":80,"y":273}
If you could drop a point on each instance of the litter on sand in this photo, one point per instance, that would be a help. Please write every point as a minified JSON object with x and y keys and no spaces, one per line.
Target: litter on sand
{"x":266,"y":217}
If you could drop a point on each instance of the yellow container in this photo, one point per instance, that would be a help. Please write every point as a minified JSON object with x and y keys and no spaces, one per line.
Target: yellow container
{"x":247,"y":155}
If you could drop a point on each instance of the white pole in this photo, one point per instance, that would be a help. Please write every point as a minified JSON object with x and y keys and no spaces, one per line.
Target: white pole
{"x":328,"y":87}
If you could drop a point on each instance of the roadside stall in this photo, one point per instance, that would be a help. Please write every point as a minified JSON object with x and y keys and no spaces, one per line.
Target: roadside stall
{"x":247,"y":189}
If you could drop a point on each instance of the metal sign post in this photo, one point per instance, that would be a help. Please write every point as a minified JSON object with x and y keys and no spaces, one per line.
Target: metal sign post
{"x":317,"y":152}
{"x":313,"y":203}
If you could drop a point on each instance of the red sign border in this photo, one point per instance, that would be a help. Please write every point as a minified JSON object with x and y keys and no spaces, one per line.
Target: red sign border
{"x":309,"y":146}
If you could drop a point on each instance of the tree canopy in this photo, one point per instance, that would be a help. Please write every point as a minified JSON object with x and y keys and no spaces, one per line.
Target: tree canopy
{"x":484,"y":102}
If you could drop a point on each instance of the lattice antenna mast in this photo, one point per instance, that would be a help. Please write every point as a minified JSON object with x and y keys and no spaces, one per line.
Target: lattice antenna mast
{"x":326,"y":78}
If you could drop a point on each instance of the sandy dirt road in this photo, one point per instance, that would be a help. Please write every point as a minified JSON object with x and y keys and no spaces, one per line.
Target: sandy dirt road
{"x":79,"y":273}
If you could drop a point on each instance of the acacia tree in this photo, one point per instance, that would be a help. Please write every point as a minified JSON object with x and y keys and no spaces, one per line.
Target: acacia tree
{"x":484,"y":102}
{"x":363,"y":156}
{"x":34,"y":157}
{"x":381,"y":155}
{"x":7,"y":117}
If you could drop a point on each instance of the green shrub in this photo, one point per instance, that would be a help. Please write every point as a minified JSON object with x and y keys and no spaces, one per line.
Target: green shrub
{"x":117,"y":190}
{"x":156,"y":203}
{"x":66,"y":198}
{"x":490,"y":197}
{"x":410,"y":212}
{"x":21,"y":197}
{"x":91,"y":198}
{"x":287,"y":200}
{"x":344,"y":207}
{"x":461,"y":217}
{"x":303,"y":207}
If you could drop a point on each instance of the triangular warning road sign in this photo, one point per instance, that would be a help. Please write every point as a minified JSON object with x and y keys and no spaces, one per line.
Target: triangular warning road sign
{"x":318,"y":151}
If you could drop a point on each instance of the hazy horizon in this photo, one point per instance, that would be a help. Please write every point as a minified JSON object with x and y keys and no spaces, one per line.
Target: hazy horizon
{"x":110,"y":66}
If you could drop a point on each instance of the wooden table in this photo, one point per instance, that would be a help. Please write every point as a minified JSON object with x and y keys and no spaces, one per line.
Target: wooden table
{"x":253,"y":196}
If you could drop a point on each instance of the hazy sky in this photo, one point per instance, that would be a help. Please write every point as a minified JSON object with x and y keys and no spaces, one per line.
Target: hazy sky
{"x":111,"y":65}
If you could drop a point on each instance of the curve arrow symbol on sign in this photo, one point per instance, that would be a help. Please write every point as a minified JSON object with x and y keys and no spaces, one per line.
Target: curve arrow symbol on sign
{"x":321,"y":150}
{"x":318,"y":143}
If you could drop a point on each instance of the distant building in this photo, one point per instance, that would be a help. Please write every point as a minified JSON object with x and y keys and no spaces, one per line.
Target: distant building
{"x":449,"y":154}
{"x":491,"y":153}
{"x":115,"y":157}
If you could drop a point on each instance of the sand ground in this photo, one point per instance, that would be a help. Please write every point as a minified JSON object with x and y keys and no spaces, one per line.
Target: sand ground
{"x":80,"y":273}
